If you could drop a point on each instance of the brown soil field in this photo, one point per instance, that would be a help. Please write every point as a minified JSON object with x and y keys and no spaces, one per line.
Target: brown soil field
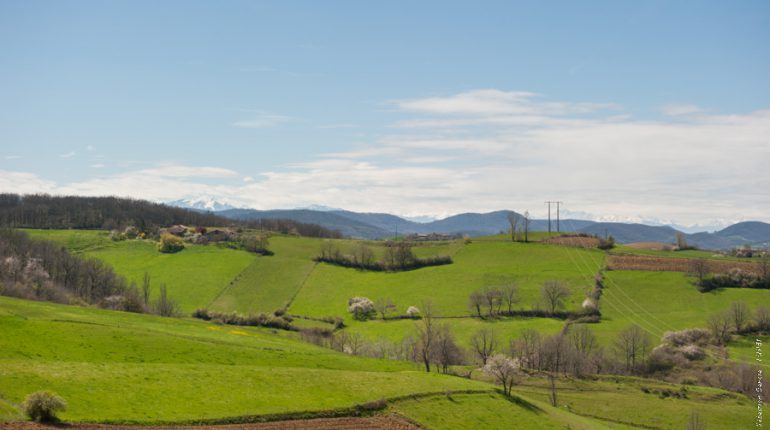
{"x":672,"y":264}
{"x":659,"y":246}
{"x":345,"y":423}
{"x":577,"y":241}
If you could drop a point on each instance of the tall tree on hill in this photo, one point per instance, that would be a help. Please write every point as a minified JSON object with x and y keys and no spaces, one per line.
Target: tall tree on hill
{"x":513,"y":220}
{"x":426,"y":334}
{"x":484,"y":343}
{"x":526,"y":226}
{"x":553,"y":294}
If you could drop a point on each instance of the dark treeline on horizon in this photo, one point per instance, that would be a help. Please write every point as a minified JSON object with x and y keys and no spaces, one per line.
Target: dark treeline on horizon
{"x":108,"y":213}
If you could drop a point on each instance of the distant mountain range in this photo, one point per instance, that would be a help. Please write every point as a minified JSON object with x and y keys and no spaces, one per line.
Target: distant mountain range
{"x":382,"y":225}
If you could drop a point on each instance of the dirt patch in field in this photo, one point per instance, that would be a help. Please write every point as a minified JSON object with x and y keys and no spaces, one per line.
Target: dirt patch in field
{"x":672,"y":264}
{"x":658,"y":246}
{"x":576,"y":241}
{"x":345,"y":423}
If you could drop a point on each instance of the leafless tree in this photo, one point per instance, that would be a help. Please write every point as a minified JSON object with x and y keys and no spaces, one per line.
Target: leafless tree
{"x":363,"y":256}
{"x":719,"y":325}
{"x":446,"y":351}
{"x":763,"y":268}
{"x":426,"y":334}
{"x":165,"y":306}
{"x":739,"y":313}
{"x":632,"y":344}
{"x":525,"y":225}
{"x":582,"y":338}
{"x":700,"y":269}
{"x":510,"y":295}
{"x":553,"y":293}
{"x":146,"y":288}
{"x":484,"y":343}
{"x":492,"y":299}
{"x":762,"y":318}
{"x":475,"y":301}
{"x":384,"y":307}
{"x":528,"y":347}
{"x":513,"y":220}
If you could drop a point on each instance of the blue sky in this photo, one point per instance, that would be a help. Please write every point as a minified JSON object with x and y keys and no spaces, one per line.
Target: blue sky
{"x":624,"y":110}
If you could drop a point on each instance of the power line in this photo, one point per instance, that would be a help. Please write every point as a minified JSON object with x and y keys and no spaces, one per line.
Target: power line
{"x":549,"y":203}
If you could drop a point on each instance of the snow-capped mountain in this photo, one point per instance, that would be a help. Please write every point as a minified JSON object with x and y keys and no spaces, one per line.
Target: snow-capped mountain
{"x":202,"y":204}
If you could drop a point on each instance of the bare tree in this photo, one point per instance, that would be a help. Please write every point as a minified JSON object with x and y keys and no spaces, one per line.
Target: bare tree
{"x":146,"y":288}
{"x":553,"y":293}
{"x":739,"y":313}
{"x":426,"y":334}
{"x":475,"y":301}
{"x":363,"y":256}
{"x":384,"y":307}
{"x":446,"y":351}
{"x":504,"y":370}
{"x":700,"y":269}
{"x":632,"y":344}
{"x":510,"y":295}
{"x":763,"y":268}
{"x":525,"y":225}
{"x":582,"y":338}
{"x":484,"y":343}
{"x":719,"y":325}
{"x":513,"y":220}
{"x":762,"y":318}
{"x":492,"y":299}
{"x":165,"y":306}
{"x":681,"y":241}
{"x":528,"y":346}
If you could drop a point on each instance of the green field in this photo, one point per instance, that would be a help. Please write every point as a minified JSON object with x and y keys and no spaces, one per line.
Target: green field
{"x":109,"y":367}
{"x":664,"y":301}
{"x":621,"y":401}
{"x":114,"y":366}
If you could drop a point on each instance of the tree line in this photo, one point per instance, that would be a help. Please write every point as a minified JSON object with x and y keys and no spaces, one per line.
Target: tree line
{"x":43,"y":270}
{"x":398,"y":256}
{"x":114,"y":213}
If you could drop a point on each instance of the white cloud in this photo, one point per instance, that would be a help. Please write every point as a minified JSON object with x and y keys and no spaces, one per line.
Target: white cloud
{"x":504,"y":150}
{"x":496,"y":102}
{"x":12,"y":157}
{"x":97,"y":166}
{"x":681,"y":109}
{"x":262,"y":120}
{"x":68,"y":155}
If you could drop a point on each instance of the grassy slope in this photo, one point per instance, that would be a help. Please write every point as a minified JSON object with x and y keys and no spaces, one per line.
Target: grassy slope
{"x":475,"y":266}
{"x":662,"y":301}
{"x":622,"y":401}
{"x":126,"y":367}
{"x":194,"y":276}
{"x":489,"y":411}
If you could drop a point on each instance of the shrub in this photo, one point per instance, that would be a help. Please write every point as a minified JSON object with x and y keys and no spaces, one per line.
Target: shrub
{"x":692,"y":336}
{"x":361,"y":308}
{"x":412,"y":312}
{"x":607,"y":243}
{"x":42,"y":406}
{"x":170,"y":243}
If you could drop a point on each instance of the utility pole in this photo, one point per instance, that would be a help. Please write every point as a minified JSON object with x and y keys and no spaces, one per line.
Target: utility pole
{"x":558,"y":227}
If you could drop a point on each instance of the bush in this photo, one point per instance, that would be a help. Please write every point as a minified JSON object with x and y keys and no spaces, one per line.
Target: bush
{"x":170,"y":243}
{"x":607,"y":243}
{"x":692,"y":336}
{"x":361,"y":308}
{"x":42,"y":406}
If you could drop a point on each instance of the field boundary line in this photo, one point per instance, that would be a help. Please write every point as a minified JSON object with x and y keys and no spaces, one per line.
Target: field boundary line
{"x":232,"y":282}
{"x":301,"y":285}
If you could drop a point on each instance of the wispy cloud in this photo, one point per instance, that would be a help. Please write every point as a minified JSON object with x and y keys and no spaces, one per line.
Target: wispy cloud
{"x":97,"y":166}
{"x":681,"y":109}
{"x":12,"y":157}
{"x":504,"y":150}
{"x":68,"y":155}
{"x":263,"y":120}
